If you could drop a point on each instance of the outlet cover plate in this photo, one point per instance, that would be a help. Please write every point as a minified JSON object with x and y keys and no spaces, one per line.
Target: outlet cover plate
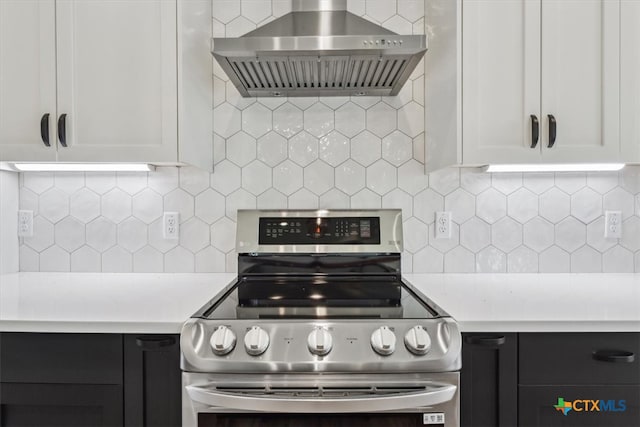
{"x":25,"y":223}
{"x":443,"y":225}
{"x":171,"y":225}
{"x":613,"y":224}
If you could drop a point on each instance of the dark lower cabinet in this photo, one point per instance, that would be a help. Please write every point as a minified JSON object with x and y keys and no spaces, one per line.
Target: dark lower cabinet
{"x":60,"y":380}
{"x":89,"y":380}
{"x":72,"y":405}
{"x":489,"y":380}
{"x":550,"y":379}
{"x":152,"y":380}
{"x":597,"y":406}
{"x":579,"y":379}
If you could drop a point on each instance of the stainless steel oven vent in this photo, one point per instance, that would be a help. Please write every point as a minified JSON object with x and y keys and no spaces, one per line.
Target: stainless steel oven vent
{"x":319,"y":49}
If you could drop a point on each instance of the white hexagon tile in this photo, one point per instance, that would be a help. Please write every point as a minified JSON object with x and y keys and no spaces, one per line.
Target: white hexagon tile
{"x":337,"y":152}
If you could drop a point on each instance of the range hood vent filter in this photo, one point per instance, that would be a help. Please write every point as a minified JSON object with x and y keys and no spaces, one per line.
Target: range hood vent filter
{"x":317,"y":52}
{"x":307,"y":73}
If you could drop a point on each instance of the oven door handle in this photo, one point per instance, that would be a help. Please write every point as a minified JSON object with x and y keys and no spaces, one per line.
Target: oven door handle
{"x":435,"y":395}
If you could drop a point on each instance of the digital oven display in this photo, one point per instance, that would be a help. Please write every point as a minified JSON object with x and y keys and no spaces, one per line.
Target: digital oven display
{"x":325,"y":231}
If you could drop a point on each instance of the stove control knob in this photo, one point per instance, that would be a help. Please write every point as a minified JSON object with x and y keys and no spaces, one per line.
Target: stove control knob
{"x":417,"y":340}
{"x":383,"y":341}
{"x":320,"y":341}
{"x":256,"y":341}
{"x":223,"y":340}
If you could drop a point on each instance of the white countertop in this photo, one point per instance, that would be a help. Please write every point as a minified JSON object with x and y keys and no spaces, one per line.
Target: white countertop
{"x":103,"y":303}
{"x":160,"y":303}
{"x":536,"y":302}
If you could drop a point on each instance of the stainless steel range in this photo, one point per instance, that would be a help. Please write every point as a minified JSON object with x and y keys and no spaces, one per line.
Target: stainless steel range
{"x":320,"y":329}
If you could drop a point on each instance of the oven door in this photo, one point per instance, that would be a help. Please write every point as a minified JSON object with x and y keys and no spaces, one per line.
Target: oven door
{"x":321,"y":400}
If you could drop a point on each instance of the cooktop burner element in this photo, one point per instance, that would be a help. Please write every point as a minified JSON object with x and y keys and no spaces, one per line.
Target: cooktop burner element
{"x":320,"y":291}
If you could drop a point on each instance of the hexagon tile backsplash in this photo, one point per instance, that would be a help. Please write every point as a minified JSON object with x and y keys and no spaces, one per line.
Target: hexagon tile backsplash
{"x":341,"y":152}
{"x":501,"y":223}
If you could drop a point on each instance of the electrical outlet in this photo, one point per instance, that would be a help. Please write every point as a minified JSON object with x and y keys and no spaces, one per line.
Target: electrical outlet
{"x":443,"y":225}
{"x":613,"y":224}
{"x":25,"y":223}
{"x":171,"y":225}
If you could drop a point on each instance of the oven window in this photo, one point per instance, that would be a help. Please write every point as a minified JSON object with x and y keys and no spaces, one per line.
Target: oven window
{"x":312,"y":420}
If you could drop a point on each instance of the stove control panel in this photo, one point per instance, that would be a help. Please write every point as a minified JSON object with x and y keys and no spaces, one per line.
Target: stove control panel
{"x":320,"y":341}
{"x":320,"y":230}
{"x":321,"y":345}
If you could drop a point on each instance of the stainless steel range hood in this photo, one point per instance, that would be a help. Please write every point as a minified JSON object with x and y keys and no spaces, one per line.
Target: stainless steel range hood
{"x":319,"y":49}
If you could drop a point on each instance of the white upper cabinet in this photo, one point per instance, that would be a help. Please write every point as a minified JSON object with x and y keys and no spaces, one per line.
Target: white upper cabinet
{"x":534,"y":81}
{"x":630,"y":80}
{"x":117,"y":80}
{"x":500,"y":80}
{"x":108,"y":73}
{"x":581,"y":80}
{"x":27,"y":80}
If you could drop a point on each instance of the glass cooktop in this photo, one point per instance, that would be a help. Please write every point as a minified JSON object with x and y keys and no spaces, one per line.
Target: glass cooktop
{"x":314,"y":301}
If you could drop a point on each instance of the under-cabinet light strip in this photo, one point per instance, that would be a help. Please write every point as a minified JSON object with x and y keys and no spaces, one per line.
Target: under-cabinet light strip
{"x":83,"y":167}
{"x":560,"y":167}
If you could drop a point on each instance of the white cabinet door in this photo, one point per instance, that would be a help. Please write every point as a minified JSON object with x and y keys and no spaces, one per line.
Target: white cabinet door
{"x":630,"y":81}
{"x":117,"y":79}
{"x":27,"y":79}
{"x":500,"y":80}
{"x":581,"y":79}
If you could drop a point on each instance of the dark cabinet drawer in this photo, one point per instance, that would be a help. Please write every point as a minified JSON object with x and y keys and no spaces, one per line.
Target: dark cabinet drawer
{"x":68,"y":405}
{"x":579,"y":358}
{"x":61,"y":358}
{"x":611,"y":406}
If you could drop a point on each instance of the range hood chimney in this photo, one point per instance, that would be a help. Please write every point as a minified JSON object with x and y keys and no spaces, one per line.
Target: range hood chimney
{"x":319,"y":49}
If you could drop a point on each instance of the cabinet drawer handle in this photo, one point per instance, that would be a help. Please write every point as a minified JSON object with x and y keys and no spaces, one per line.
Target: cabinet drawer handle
{"x":62,"y":129}
{"x":44,"y":129}
{"x":486,"y":341}
{"x":552,"y":130}
{"x":614,"y":356}
{"x":152,"y":343}
{"x":535,"y":131}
